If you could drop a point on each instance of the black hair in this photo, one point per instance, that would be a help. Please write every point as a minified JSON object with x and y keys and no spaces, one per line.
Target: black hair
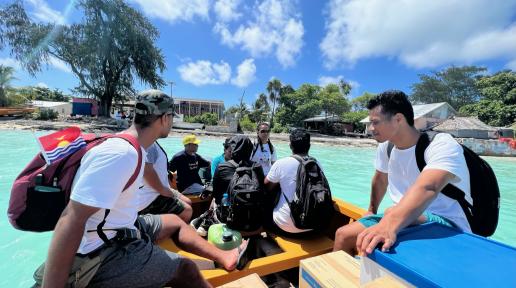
{"x":226,"y":143}
{"x":145,"y":121}
{"x":392,"y":102}
{"x":260,"y":141}
{"x":300,"y":141}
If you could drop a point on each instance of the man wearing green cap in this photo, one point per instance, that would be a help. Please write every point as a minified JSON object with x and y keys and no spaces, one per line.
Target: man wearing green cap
{"x":187,"y":164}
{"x":100,"y":241}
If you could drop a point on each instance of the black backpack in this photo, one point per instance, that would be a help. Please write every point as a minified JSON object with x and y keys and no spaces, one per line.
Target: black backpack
{"x":312,"y":206}
{"x":246,"y":196}
{"x":483,"y":214}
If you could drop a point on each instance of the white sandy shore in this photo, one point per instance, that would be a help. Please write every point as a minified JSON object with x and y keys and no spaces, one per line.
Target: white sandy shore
{"x":108,"y":126}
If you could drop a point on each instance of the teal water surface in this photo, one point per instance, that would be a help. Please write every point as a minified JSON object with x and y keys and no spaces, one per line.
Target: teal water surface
{"x":348,"y":169}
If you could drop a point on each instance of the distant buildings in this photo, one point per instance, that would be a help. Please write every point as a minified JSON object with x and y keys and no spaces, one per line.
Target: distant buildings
{"x":62,"y":108}
{"x":194,"y":107}
{"x":426,"y":115}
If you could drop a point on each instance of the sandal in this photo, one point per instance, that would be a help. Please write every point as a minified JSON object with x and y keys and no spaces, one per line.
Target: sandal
{"x":242,"y":256}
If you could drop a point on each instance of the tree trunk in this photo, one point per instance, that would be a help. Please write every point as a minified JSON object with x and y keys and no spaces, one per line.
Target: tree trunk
{"x":105,"y":105}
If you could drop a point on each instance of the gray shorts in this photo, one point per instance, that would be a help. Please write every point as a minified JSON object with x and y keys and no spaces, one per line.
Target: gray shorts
{"x":140,"y":263}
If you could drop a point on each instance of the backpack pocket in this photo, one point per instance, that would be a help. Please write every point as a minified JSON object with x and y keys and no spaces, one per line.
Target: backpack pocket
{"x":44,"y":207}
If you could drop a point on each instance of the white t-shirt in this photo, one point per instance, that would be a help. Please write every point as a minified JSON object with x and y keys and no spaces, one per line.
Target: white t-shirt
{"x":158,"y":158}
{"x":264,"y":157}
{"x":284,"y":172}
{"x":99,"y":181}
{"x":443,"y":153}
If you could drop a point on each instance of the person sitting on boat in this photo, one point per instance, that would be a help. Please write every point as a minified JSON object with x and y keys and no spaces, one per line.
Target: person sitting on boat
{"x":156,"y":195}
{"x":263,"y":151}
{"x":241,"y":148}
{"x":283,"y":174}
{"x":131,"y":259}
{"x":225,"y":156}
{"x":187,"y":164}
{"x":415,"y":194}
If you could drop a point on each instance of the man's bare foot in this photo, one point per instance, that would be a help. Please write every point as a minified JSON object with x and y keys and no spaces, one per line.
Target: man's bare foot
{"x":231,"y":257}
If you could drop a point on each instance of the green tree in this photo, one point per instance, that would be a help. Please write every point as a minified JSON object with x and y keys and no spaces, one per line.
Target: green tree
{"x":300,"y":104}
{"x":333,"y":101}
{"x":6,"y":76}
{"x":113,"y":45}
{"x":260,"y":108}
{"x":206,"y":119}
{"x":492,"y":112}
{"x":274,"y":89}
{"x":355,"y":117}
{"x":501,"y":86}
{"x":360,"y":103}
{"x":455,"y":85}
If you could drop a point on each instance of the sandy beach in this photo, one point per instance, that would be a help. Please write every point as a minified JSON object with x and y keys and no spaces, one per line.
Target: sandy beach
{"x":94,"y":125}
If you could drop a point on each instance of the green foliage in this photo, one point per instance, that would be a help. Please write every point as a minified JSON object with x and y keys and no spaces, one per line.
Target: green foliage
{"x":107,"y":50}
{"x":333,"y":101}
{"x":455,"y":85}
{"x":491,"y":112}
{"x":360,"y":103}
{"x":500,"y":86}
{"x":261,"y":109}
{"x":206,"y":119}
{"x":300,"y":104}
{"x":46,"y":114}
{"x":246,"y":124}
{"x":6,"y":76}
{"x":355,"y":117}
{"x":274,"y":88}
{"x":279,"y":129}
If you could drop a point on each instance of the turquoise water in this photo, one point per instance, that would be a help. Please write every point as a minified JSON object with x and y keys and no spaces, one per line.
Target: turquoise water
{"x":349,"y":171}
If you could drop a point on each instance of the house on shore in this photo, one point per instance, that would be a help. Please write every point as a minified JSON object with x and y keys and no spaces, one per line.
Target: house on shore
{"x":62,"y":108}
{"x":467,"y":127}
{"x":426,"y":115}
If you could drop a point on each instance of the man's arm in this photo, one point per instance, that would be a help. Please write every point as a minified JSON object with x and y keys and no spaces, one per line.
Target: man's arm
{"x":152,"y":179}
{"x":270,"y":186}
{"x":378,"y":189}
{"x":65,"y":242}
{"x":426,"y":188}
{"x":203,"y":162}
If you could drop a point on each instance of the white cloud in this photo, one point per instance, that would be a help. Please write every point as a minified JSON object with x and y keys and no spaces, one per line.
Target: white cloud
{"x":42,"y":85}
{"x":44,"y":13}
{"x":419,"y":33}
{"x":275,"y":28}
{"x":204,"y":72}
{"x":511,"y":65}
{"x":58,"y":64}
{"x":325,"y":80}
{"x":175,"y":10}
{"x":246,"y":73}
{"x":10,"y":62}
{"x":226,"y":10}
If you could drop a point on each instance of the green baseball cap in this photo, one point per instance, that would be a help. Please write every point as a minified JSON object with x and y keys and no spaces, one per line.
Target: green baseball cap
{"x":154,"y":102}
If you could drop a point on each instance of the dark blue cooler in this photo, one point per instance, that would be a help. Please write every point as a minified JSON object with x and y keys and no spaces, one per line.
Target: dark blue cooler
{"x":432,"y":255}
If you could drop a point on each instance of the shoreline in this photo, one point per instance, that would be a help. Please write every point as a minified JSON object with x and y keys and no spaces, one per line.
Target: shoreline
{"x":109,"y":126}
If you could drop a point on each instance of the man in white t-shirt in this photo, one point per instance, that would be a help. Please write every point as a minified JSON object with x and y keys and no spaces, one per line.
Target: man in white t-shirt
{"x":284,"y":173}
{"x":416,"y":194}
{"x":128,"y":255}
{"x":156,"y":195}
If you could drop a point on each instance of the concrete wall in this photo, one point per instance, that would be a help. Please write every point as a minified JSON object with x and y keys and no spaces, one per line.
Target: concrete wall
{"x":488,"y":147}
{"x":64,"y":109}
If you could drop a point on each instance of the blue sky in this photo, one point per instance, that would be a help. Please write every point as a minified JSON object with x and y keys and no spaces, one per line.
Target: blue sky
{"x":216,"y":49}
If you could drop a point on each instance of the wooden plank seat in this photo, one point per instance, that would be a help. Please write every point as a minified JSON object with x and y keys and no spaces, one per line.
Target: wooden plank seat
{"x":294,"y":251}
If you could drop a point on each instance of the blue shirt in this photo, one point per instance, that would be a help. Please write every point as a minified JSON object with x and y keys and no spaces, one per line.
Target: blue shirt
{"x":215,"y":162}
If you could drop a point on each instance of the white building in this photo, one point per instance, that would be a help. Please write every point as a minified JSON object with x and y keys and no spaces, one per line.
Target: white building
{"x":63,"y":108}
{"x":426,"y":115}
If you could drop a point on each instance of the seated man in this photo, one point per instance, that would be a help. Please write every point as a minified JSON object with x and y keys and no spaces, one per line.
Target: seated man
{"x":187,"y":164}
{"x":283,"y":173}
{"x":416,"y":194}
{"x":156,"y":196}
{"x":225,"y":156}
{"x":100,"y":207}
{"x":241,"y":148}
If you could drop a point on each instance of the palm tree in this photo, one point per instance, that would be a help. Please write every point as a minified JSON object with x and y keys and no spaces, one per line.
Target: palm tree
{"x":6,"y":76}
{"x":274,"y":89}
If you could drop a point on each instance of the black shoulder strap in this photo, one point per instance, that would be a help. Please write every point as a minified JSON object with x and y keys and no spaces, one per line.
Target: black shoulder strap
{"x":166,"y":156}
{"x":390,"y":146}
{"x":255,"y":148}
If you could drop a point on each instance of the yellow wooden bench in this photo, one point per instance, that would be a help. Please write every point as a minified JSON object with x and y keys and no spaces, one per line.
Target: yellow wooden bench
{"x":294,"y":251}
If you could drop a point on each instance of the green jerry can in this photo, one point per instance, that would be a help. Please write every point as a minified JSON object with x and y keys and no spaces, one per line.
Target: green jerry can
{"x":223,"y":237}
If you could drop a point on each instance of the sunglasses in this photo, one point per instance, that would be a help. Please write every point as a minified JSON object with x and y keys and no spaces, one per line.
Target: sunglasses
{"x":264,"y":131}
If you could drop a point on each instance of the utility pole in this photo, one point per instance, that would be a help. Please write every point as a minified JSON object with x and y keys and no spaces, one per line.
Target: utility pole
{"x":171,"y":85}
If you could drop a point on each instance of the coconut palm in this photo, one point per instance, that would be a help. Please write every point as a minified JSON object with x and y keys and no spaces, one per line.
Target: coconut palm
{"x":6,"y":76}
{"x":274,"y":89}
